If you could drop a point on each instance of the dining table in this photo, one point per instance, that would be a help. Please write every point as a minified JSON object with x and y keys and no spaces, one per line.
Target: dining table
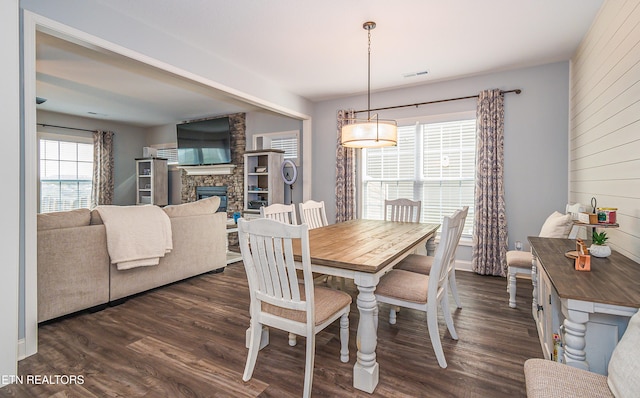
{"x":364,"y":250}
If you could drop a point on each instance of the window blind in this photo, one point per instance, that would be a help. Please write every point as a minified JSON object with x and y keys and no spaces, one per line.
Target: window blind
{"x":433,"y":163}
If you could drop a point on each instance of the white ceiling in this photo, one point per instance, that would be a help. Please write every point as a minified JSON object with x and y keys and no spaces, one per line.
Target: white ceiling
{"x":316,"y":49}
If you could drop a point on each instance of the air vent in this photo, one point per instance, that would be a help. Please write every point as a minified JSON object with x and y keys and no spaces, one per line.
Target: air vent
{"x":414,"y":74}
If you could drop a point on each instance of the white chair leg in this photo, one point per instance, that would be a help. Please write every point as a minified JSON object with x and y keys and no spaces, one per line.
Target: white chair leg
{"x":308,"y":368}
{"x":344,"y":338}
{"x":446,"y":311}
{"x":454,"y":288}
{"x":254,"y":347}
{"x":392,"y":316}
{"x":512,"y":289}
{"x":292,"y":339}
{"x":434,"y":335}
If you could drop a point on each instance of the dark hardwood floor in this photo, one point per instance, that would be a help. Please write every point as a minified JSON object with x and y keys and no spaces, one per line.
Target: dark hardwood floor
{"x":187,"y":340}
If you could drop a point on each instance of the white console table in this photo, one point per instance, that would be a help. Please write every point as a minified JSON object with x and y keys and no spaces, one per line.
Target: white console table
{"x":591,"y":309}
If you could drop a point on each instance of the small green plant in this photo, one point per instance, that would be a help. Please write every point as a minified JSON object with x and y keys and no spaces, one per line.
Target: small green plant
{"x":599,"y":238}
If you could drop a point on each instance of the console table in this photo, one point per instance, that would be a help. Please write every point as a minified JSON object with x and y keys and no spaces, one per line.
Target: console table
{"x":591,"y":309}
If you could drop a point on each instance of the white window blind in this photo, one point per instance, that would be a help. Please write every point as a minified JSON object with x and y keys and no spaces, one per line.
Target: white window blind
{"x":171,"y":154}
{"x":66,"y":173}
{"x":433,"y":163}
{"x":287,"y":141}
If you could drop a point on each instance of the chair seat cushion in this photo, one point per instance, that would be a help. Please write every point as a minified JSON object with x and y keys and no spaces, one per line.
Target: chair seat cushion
{"x":519,"y":259}
{"x":404,"y":285}
{"x":546,"y":379}
{"x":327,"y":303}
{"x":416,"y":263}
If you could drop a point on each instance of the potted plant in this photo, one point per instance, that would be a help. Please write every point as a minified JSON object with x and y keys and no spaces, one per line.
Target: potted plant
{"x":599,"y":247}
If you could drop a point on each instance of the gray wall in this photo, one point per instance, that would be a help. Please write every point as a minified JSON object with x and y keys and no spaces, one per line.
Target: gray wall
{"x":535,"y":142}
{"x":127,"y":146}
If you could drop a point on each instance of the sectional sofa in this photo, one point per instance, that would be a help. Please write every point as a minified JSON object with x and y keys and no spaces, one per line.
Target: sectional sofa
{"x":75,"y":271}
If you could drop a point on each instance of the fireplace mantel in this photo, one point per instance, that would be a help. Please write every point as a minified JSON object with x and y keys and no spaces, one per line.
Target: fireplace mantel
{"x":216,"y":169}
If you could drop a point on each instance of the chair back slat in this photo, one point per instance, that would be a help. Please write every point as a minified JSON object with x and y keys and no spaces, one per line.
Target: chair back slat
{"x":267,"y":251}
{"x":449,"y":237}
{"x":313,"y":214}
{"x":280,"y":212}
{"x":404,"y":210}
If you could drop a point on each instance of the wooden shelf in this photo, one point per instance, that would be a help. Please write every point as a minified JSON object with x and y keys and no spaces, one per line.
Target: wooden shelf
{"x":598,"y":225}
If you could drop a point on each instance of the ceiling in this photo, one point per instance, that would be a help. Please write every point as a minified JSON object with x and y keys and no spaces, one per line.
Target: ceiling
{"x":315,"y":49}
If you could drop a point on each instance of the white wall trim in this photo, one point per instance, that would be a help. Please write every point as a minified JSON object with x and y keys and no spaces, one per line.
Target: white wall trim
{"x":463,"y":265}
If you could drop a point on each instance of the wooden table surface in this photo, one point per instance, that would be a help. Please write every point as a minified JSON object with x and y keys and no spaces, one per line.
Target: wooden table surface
{"x":364,"y":245}
{"x":613,"y":280}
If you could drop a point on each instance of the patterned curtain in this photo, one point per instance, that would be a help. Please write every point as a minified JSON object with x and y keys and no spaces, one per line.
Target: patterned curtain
{"x":490,"y":229}
{"x":345,"y":174}
{"x":102,"y":187}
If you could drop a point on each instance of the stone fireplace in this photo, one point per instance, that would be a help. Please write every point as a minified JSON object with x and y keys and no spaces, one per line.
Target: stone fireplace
{"x":234,"y":182}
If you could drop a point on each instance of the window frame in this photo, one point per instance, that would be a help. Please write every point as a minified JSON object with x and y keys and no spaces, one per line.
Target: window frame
{"x":78,"y":139}
{"x":281,"y":134}
{"x":426,"y":119}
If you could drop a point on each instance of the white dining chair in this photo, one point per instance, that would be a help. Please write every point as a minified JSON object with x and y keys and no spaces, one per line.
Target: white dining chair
{"x":425,"y":293}
{"x":280,"y":212}
{"x":313,"y":214}
{"x":423,"y":264}
{"x":402,"y":210}
{"x":279,"y":299}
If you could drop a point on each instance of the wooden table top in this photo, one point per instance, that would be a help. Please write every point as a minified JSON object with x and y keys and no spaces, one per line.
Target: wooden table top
{"x":613,"y":280}
{"x":364,"y":245}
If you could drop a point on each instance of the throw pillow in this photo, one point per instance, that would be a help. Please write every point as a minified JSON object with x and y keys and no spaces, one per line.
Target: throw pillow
{"x":64,"y":219}
{"x":557,"y":225}
{"x":624,"y":366}
{"x":200,"y":207}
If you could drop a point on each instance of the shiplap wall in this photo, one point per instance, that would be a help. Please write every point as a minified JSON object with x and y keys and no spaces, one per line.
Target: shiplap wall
{"x":604,"y":139}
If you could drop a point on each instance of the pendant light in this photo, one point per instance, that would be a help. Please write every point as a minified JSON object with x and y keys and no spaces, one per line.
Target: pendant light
{"x":371,"y":132}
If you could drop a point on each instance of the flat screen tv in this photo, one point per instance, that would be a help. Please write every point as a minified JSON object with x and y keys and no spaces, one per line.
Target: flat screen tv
{"x":204,"y":142}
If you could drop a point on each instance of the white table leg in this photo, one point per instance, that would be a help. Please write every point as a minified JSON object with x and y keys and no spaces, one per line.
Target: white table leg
{"x":575,"y":327}
{"x":366,"y":370}
{"x":431,"y":246}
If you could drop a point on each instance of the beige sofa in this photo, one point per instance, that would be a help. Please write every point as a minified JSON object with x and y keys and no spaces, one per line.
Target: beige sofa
{"x":75,"y":271}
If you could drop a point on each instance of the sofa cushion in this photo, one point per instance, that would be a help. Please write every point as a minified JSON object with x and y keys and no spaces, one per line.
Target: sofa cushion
{"x":557,"y":225}
{"x":202,"y":206}
{"x":64,"y":219}
{"x":624,"y":366}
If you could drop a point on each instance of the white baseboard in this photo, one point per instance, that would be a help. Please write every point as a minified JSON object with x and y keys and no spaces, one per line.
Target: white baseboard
{"x":463,"y":265}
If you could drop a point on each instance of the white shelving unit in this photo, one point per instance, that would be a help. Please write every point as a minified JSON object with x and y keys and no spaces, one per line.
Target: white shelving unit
{"x":152,"y":182}
{"x":263,"y":183}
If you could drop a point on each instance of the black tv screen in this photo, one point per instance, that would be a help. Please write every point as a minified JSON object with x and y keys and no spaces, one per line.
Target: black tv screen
{"x":204,"y":142}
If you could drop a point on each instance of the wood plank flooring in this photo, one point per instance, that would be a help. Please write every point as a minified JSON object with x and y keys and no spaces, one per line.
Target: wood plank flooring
{"x":187,"y":340}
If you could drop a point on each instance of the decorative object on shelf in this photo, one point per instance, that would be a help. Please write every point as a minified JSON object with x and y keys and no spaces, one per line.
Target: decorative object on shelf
{"x":261,"y":169}
{"x":607,"y":215}
{"x":583,"y":261}
{"x":371,"y":132}
{"x":599,"y":247}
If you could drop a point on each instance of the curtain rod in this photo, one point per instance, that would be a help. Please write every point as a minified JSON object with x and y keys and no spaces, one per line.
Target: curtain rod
{"x":517,"y":91}
{"x":64,"y":127}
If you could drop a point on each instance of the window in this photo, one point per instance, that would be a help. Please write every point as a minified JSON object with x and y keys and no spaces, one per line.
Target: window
{"x":171,"y":154}
{"x":433,"y":163}
{"x":66,"y":173}
{"x":286,"y":141}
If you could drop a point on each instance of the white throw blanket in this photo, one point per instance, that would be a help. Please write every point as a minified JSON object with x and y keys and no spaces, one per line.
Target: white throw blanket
{"x":137,"y":236}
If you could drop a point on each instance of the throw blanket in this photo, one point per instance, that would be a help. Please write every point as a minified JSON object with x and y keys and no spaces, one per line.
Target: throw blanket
{"x":137,"y":236}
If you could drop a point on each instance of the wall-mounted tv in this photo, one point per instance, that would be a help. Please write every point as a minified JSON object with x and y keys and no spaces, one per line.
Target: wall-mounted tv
{"x":204,"y":142}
